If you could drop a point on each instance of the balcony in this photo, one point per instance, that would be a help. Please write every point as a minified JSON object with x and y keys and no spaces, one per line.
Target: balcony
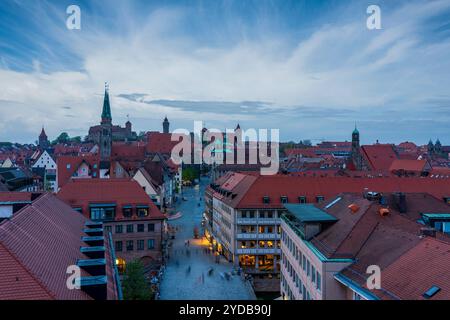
{"x":93,"y":231}
{"x":255,"y":221}
{"x":259,"y":236}
{"x":256,"y":251}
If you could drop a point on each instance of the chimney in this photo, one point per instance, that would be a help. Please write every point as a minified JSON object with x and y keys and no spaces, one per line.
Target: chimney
{"x":428,"y":232}
{"x":400,"y":201}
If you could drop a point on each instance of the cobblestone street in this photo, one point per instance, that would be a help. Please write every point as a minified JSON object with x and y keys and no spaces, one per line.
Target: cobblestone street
{"x":186,"y":275}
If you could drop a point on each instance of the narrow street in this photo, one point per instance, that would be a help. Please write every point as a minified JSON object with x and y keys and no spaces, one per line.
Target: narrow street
{"x":186,"y":275}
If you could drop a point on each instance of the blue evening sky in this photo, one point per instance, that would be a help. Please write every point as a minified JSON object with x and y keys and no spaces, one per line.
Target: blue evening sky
{"x":309,"y":68}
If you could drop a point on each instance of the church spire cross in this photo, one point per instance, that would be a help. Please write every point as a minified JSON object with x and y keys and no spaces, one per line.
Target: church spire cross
{"x":106,"y":112}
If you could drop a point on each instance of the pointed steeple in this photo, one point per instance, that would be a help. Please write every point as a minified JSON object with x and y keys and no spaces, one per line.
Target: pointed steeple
{"x":106,"y":112}
{"x":43,"y":134}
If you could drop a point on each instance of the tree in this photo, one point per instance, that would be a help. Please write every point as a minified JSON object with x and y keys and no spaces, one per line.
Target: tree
{"x":76,"y":139}
{"x":135,"y":286}
{"x":62,"y":138}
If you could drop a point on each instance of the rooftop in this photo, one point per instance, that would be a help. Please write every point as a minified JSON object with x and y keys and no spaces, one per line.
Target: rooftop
{"x":309,"y":213}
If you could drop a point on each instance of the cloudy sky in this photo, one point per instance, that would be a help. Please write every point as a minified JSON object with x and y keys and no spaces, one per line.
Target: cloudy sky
{"x":310,"y":68}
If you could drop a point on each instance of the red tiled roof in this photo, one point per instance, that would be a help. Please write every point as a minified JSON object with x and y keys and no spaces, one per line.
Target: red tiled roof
{"x":444,"y":171}
{"x":128,"y":151}
{"x":305,"y":152}
{"x":408,"y":165}
{"x":15,"y":196}
{"x":294,"y":186}
{"x":81,"y":192}
{"x":16,"y":282}
{"x":392,"y":242}
{"x":425,"y":265}
{"x":158,"y":142}
{"x":64,"y":173}
{"x":379,"y":156}
{"x":45,"y":238}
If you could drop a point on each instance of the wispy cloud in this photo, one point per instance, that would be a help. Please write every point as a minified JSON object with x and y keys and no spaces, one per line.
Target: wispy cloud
{"x":224,"y":62}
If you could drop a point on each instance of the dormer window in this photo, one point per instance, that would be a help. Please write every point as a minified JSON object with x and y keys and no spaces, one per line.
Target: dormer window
{"x":142,"y":211}
{"x":284,"y":199}
{"x":320,"y":199}
{"x":302,"y":199}
{"x":266,"y":200}
{"x":127,"y":211}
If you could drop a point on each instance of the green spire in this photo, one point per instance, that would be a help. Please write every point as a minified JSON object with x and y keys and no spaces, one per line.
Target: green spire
{"x":106,"y":113}
{"x":356,"y":130}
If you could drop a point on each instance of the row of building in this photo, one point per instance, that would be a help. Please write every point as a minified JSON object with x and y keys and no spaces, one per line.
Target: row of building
{"x":278,"y":227}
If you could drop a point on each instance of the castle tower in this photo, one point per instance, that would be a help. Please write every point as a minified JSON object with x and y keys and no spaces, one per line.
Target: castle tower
{"x":166,"y":125}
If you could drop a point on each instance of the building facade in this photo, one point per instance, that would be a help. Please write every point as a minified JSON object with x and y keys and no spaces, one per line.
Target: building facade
{"x":126,"y":211}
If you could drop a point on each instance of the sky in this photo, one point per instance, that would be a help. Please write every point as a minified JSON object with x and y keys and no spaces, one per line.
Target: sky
{"x":311,"y":69}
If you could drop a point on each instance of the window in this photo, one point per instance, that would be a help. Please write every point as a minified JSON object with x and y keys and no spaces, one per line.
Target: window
{"x":266,"y":199}
{"x":319,"y":281}
{"x":313,"y":274}
{"x":119,"y":228}
{"x":356,"y":296}
{"x":284,"y":199}
{"x":308,"y":268}
{"x":108,"y":229}
{"x":304,"y":263}
{"x":127,"y":212}
{"x":68,"y":166}
{"x":320,"y":199}
{"x":151,"y":227}
{"x":140,"y":244}
{"x":140,"y":227}
{"x":130,"y":228}
{"x":100,"y":213}
{"x":118,"y":246}
{"x":142,"y":212}
{"x":150,"y":243}
{"x":302,"y":199}
{"x":130,"y":245}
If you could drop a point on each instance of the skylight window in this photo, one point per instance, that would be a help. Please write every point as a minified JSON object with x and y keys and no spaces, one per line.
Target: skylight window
{"x":431,"y":292}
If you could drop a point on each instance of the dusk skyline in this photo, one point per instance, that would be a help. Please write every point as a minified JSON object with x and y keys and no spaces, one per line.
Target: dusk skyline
{"x":310,"y":68}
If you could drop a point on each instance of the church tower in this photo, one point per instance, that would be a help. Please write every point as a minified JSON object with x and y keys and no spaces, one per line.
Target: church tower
{"x":356,"y":155}
{"x":43,"y":140}
{"x":166,"y":125}
{"x":106,"y":128}
{"x":438,"y":147}
{"x":430,"y":147}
